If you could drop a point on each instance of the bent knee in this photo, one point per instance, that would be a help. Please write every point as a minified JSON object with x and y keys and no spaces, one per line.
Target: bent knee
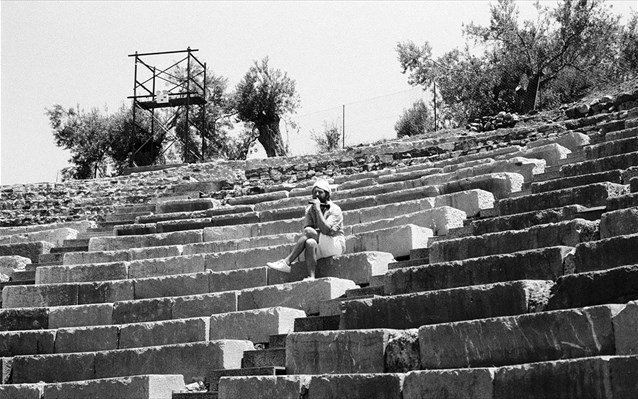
{"x":310,"y":232}
{"x":311,"y":242}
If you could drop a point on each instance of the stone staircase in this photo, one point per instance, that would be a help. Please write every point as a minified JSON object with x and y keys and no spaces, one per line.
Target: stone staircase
{"x":488,"y":272}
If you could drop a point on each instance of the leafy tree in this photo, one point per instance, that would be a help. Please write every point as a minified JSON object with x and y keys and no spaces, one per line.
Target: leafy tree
{"x":263,"y":97}
{"x":417,"y":119}
{"x":329,"y":140}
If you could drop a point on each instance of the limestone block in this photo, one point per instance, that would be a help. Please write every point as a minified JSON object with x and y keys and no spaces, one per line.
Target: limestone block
{"x":622,"y":161}
{"x":625,"y":327}
{"x":471,"y":202}
{"x":155,"y":252}
{"x":181,"y":225}
{"x":148,"y":240}
{"x":257,"y":198}
{"x":535,"y":264}
{"x":551,"y":153}
{"x":99,"y":314}
{"x":222,"y":233}
{"x":358,"y":267}
{"x":5,"y":371}
{"x":24,"y":319}
{"x":255,"y":325}
{"x":177,"y":285}
{"x":190,"y":360}
{"x":568,"y":233}
{"x":617,"y":285}
{"x":475,"y":383}
{"x":396,"y":240}
{"x":166,"y":266}
{"x":438,"y":178}
{"x":133,"y":387}
{"x":21,"y":391}
{"x":277,"y":227}
{"x":31,"y":250}
{"x":24,"y":296}
{"x":623,"y":372}
{"x":465,"y":303}
{"x":13,"y":262}
{"x":611,"y":148}
{"x":54,"y":236}
{"x":408,"y":194}
{"x":210,"y":247}
{"x":445,"y":218}
{"x":81,"y":273}
{"x":163,"y":332}
{"x":142,"y":310}
{"x":280,"y":387}
{"x":26,"y":342}
{"x":402,"y":352}
{"x":189,"y":205}
{"x":356,"y":386}
{"x":254,"y":257}
{"x":105,"y":291}
{"x":204,"y":304}
{"x":74,"y":258}
{"x":502,"y":184}
{"x":86,"y":339}
{"x":238,"y":279}
{"x":611,"y":176}
{"x":605,"y":254}
{"x":281,"y":214}
{"x":221,"y":261}
{"x":556,"y":379}
{"x":335,"y":352}
{"x":571,"y":140}
{"x":618,"y":223}
{"x":304,"y":295}
{"x":53,"y":368}
{"x":519,"y":339}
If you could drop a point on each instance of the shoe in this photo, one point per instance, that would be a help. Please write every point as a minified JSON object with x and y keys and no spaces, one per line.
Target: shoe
{"x":280,"y":265}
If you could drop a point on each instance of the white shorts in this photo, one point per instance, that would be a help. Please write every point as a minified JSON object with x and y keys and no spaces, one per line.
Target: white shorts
{"x":330,"y":246}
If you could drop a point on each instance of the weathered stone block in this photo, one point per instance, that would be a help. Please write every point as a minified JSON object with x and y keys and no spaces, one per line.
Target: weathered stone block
{"x":610,"y":148}
{"x":31,"y":250}
{"x":502,"y":185}
{"x":281,"y":387}
{"x":86,"y":339}
{"x":54,"y":236}
{"x":358,"y":267}
{"x":466,"y":303}
{"x":24,"y":319}
{"x":189,"y":205}
{"x":304,"y":295}
{"x":99,"y":314}
{"x":134,"y":387}
{"x":471,"y":202}
{"x":551,"y":380}
{"x":190,"y":360}
{"x":238,"y":279}
{"x":177,"y":285}
{"x":142,"y":310}
{"x":254,"y":325}
{"x":617,"y":285}
{"x":623,"y":372}
{"x":625,"y":327}
{"x":569,"y":233}
{"x":204,"y":304}
{"x":81,"y":273}
{"x":105,"y":291}
{"x":356,"y":386}
{"x":165,"y":266}
{"x":155,"y":252}
{"x":53,"y":368}
{"x":535,"y":264}
{"x":618,"y":223}
{"x":605,"y":254}
{"x":25,"y":296}
{"x":149,"y":240}
{"x":551,"y":153}
{"x":519,"y":339}
{"x":222,"y":233}
{"x":611,"y":176}
{"x":75,"y":258}
{"x":320,"y":352}
{"x":475,"y":383}
{"x":13,"y":262}
{"x":398,"y":241}
{"x":622,"y":161}
{"x":21,"y":391}
{"x":163,"y":332}
{"x":26,"y":342}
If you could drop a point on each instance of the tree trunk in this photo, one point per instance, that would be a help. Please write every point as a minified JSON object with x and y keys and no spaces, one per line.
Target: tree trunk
{"x":529,"y":97}
{"x":270,"y":138}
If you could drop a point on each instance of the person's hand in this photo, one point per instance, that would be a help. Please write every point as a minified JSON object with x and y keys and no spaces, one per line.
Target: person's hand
{"x":316,"y":203}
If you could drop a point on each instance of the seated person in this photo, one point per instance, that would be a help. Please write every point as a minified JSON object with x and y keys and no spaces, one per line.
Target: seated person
{"x":323,"y":232}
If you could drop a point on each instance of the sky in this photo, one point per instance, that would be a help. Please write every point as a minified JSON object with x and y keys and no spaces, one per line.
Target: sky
{"x":339,"y":53}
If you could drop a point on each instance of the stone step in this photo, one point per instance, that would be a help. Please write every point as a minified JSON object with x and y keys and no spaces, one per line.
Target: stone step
{"x":408,"y":263}
{"x":619,"y":222}
{"x":55,"y":236}
{"x":622,"y":161}
{"x":256,"y":325}
{"x":611,"y":148}
{"x":51,"y":258}
{"x":121,"y":218}
{"x":536,"y":264}
{"x":364,"y":292}
{"x":149,"y":240}
{"x":622,"y":134}
{"x":568,"y":233}
{"x":589,"y":195}
{"x":622,"y":201}
{"x":185,"y":205}
{"x":614,"y":285}
{"x":317,"y":323}
{"x":264,"y":358}
{"x":31,"y":250}
{"x":151,"y":386}
{"x":611,"y":176}
{"x":600,"y":377}
{"x":455,"y":304}
{"x":277,"y":341}
{"x":23,"y":276}
{"x":511,"y":340}
{"x":190,"y":360}
{"x":606,"y":253}
{"x":303,"y":295}
{"x":213,"y":376}
{"x":79,"y":248}
{"x":141,"y":208}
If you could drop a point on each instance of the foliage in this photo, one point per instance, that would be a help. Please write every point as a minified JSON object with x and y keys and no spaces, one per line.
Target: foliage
{"x":262,"y":97}
{"x":564,"y":52}
{"x":417,"y":119}
{"x":329,"y":140}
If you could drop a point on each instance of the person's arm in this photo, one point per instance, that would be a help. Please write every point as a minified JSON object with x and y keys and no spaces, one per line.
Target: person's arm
{"x":322,"y":224}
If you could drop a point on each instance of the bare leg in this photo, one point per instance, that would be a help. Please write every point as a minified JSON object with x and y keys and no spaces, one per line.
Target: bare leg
{"x":311,"y":256}
{"x":309,"y":233}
